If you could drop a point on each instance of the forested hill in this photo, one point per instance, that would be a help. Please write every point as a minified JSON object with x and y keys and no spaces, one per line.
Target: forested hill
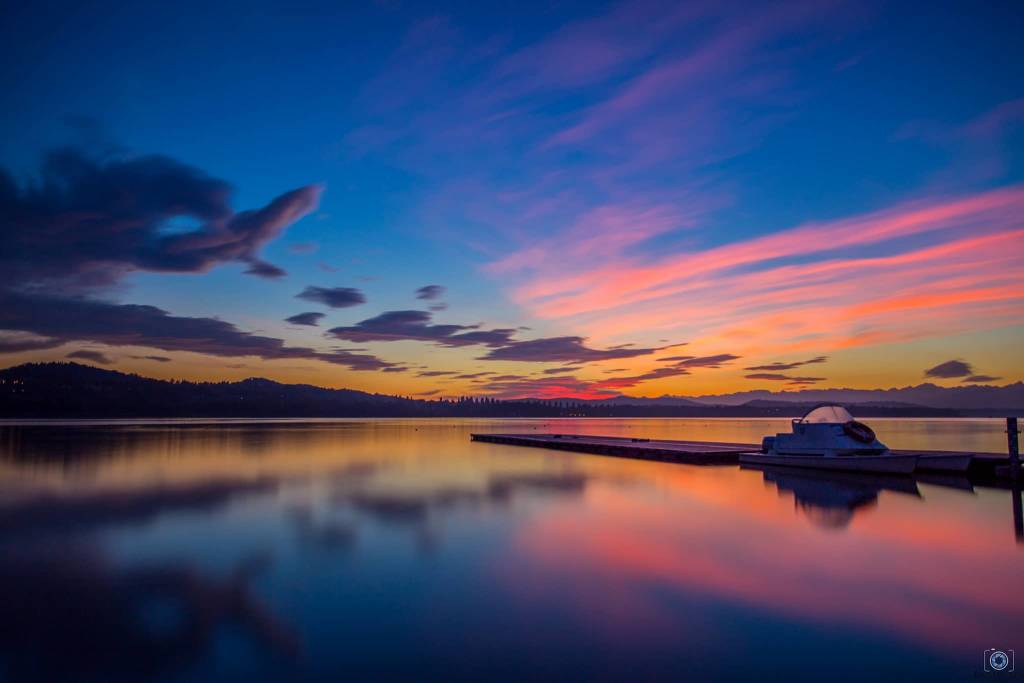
{"x":54,"y":390}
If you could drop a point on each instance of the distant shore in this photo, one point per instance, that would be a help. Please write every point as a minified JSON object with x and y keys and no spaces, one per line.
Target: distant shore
{"x":72,"y":390}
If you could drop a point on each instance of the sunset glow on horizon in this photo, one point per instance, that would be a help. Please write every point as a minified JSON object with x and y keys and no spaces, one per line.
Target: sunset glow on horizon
{"x":562,"y":201}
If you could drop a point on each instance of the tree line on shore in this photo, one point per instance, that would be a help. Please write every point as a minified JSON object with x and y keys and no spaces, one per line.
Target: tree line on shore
{"x":40,"y":390}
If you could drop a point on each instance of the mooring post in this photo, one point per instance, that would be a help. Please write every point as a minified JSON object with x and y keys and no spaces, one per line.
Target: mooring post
{"x":1018,"y":512}
{"x":1011,"y":444}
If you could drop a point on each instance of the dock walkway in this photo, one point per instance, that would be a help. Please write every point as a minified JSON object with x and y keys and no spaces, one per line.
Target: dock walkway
{"x":711,"y":452}
{"x":689,"y":452}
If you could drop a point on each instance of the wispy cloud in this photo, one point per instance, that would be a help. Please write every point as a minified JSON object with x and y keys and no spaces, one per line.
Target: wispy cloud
{"x":562,"y":350}
{"x":781,"y":367}
{"x":502,"y":343}
{"x":909,"y":271}
{"x":779,"y":377}
{"x":311,"y":319}
{"x":88,"y":354}
{"x":980,"y":379}
{"x":430,"y":292}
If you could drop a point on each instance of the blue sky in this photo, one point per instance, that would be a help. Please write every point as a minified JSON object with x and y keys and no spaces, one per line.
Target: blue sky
{"x":539,"y":160}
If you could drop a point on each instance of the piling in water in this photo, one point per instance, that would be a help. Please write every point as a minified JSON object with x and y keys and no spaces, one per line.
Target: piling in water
{"x":1011,"y":444}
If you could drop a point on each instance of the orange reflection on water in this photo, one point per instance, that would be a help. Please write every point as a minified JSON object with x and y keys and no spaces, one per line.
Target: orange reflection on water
{"x":400,"y":522}
{"x":935,"y":573}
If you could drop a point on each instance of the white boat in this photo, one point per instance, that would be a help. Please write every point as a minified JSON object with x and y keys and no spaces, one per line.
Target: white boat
{"x":878,"y":464}
{"x":828,"y":437}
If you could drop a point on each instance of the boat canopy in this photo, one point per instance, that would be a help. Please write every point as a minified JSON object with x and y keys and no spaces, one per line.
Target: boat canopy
{"x":829,"y":414}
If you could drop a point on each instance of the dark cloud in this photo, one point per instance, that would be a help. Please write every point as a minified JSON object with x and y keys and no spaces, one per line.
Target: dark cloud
{"x":782,"y":367}
{"x":492,"y":338}
{"x":303,"y":247}
{"x":14,"y":342}
{"x":416,"y":326}
{"x":94,"y":356}
{"x":158,"y":359}
{"x":311,"y":319}
{"x":88,"y":222}
{"x":413,"y":325}
{"x":435,"y":373}
{"x":778,"y":377}
{"x":335,"y":297}
{"x":264,"y":269}
{"x":980,"y":379}
{"x":430,"y":292}
{"x":950,"y":369}
{"x":632,"y":380}
{"x":560,"y":349}
{"x":136,"y":325}
{"x":438,"y":307}
{"x":473,"y":375}
{"x":518,"y":386}
{"x":557,"y":371}
{"x":715,"y":361}
{"x":514,"y":386}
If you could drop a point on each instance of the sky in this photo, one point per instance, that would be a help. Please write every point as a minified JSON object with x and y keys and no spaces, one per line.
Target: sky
{"x":509,"y":200}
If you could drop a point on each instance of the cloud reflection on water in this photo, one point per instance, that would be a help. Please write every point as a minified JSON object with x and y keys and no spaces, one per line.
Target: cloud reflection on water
{"x":152,"y":535}
{"x":66,"y":613}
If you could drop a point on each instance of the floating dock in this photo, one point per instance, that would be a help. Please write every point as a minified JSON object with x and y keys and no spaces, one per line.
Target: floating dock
{"x":688,"y":452}
{"x":718,"y":453}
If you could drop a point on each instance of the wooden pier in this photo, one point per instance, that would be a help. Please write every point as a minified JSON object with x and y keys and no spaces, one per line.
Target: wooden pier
{"x":718,"y":453}
{"x":688,"y":452}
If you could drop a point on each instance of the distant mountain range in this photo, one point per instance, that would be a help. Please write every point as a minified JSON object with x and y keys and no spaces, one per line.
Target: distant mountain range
{"x":40,"y":390}
{"x":971,"y":397}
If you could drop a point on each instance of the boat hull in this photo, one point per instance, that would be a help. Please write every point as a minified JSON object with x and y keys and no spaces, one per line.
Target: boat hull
{"x":942,"y":462}
{"x":883,"y":464}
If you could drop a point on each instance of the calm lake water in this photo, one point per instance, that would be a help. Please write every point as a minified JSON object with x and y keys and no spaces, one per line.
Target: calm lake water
{"x":371,"y":549}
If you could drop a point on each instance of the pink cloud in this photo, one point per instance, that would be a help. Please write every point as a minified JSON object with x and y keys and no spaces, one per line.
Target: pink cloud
{"x":796,"y":282}
{"x":600,"y":232}
{"x":996,"y":120}
{"x":625,"y":282}
{"x":725,"y":52}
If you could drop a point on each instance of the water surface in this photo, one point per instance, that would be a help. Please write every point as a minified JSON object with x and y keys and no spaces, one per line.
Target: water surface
{"x":367,"y":549}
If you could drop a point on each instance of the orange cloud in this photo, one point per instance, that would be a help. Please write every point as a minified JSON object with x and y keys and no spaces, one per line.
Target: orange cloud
{"x":939,"y":265}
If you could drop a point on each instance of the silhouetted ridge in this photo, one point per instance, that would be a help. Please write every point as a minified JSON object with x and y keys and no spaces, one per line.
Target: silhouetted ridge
{"x":39,"y":390}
